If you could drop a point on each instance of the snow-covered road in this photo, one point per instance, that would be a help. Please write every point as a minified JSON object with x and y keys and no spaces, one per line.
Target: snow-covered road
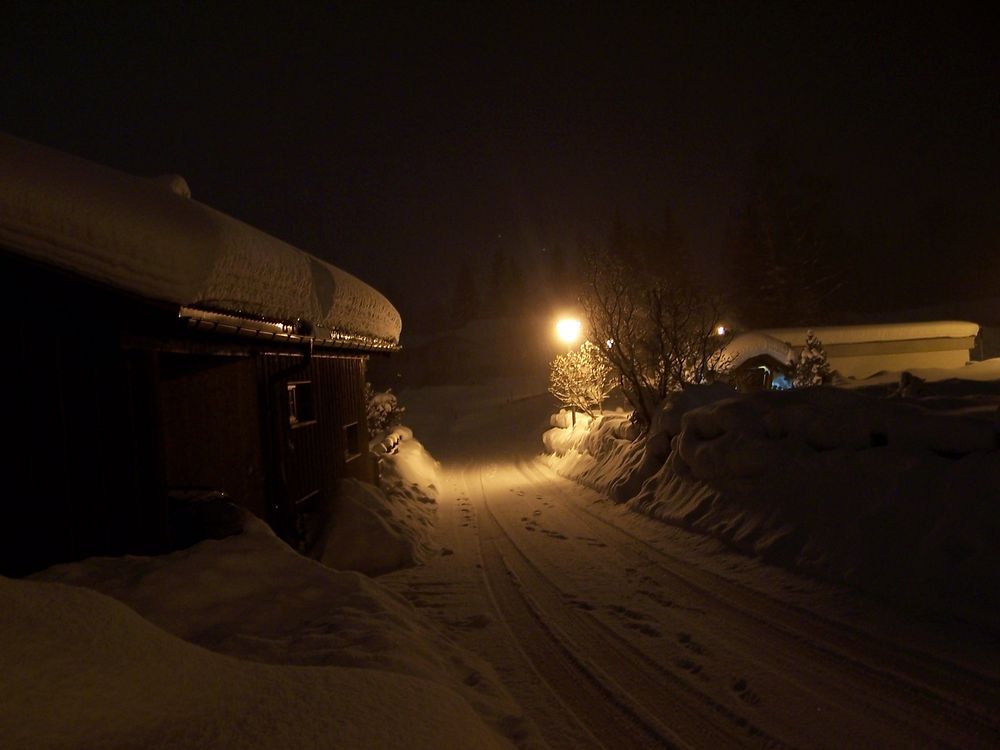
{"x":613,"y":630}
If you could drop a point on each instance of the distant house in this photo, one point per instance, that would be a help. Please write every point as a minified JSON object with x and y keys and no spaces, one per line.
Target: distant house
{"x":158,"y":349}
{"x":755,"y":361}
{"x":857,"y":351}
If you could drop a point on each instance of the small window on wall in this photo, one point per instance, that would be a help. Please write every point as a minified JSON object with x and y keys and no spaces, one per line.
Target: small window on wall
{"x":301,"y":409}
{"x":352,"y":441}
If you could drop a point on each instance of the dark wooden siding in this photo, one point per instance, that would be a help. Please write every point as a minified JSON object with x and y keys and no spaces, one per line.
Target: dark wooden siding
{"x":109,"y":406}
{"x":309,"y":458}
{"x":212,"y":432}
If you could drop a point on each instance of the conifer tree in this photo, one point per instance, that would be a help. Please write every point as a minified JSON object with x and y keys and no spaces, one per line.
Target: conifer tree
{"x":813,"y":367}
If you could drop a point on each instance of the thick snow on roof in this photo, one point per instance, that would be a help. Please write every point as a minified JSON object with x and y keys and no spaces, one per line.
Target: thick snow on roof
{"x":146,"y":236}
{"x":934,"y":329}
{"x":754,"y":344}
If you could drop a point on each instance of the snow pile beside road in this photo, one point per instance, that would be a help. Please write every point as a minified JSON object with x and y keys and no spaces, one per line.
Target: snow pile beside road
{"x":376,"y":530}
{"x":369,"y":670}
{"x":80,"y":669}
{"x":596,"y":452}
{"x":886,"y":494}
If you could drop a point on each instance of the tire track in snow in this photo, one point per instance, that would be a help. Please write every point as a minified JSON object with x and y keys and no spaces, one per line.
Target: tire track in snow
{"x":614,"y":675}
{"x":906,"y":687}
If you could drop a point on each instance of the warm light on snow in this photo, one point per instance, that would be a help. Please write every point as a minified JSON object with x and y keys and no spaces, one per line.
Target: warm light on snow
{"x":568,"y":330}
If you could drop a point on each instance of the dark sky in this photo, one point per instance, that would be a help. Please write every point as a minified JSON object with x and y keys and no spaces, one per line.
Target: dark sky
{"x":393,"y":140}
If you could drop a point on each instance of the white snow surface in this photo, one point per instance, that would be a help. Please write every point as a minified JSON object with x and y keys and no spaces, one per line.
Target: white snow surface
{"x":855,"y":334}
{"x":375,"y":530}
{"x":82,"y":670}
{"x":885,"y":494}
{"x":147,"y":237}
{"x":240,"y":643}
{"x":983,"y":371}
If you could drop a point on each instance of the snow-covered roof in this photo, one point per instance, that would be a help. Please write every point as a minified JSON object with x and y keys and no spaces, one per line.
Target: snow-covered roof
{"x":754,"y":344}
{"x":147,"y":237}
{"x":858,"y":334}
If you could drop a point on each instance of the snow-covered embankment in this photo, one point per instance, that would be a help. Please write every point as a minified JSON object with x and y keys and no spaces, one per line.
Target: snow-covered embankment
{"x":887,"y":495}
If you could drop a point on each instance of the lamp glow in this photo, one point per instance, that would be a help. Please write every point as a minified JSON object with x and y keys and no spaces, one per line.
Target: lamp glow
{"x":568,"y":330}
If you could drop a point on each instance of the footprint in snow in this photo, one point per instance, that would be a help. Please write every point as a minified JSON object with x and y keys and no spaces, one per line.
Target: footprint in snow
{"x":688,"y":665}
{"x":474,"y":622}
{"x":626,"y":612}
{"x":644,"y":629}
{"x":689,"y":643}
{"x":741,"y":688}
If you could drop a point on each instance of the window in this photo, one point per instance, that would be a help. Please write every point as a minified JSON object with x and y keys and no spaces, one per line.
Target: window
{"x":352,"y":441}
{"x":301,"y":409}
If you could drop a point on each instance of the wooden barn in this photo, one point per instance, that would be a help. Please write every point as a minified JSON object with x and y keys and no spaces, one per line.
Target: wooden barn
{"x":158,"y":351}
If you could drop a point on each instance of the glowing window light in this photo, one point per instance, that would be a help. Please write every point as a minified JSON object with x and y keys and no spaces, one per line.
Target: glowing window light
{"x":568,"y":330}
{"x":721,"y":330}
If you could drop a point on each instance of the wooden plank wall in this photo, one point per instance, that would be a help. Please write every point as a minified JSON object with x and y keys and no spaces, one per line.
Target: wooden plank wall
{"x":309,"y":459}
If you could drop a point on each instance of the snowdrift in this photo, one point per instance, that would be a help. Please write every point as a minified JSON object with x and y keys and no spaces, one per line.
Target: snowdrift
{"x":83,"y":670}
{"x":239,"y":642}
{"x":376,"y":530}
{"x":887,"y":494}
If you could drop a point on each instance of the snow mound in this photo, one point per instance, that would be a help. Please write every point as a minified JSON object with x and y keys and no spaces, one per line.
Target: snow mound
{"x":80,"y":669}
{"x":376,"y":530}
{"x":147,"y":237}
{"x":369,"y":670}
{"x":886,"y":494}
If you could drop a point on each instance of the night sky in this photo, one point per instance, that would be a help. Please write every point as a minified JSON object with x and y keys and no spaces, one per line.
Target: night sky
{"x":396,"y":140}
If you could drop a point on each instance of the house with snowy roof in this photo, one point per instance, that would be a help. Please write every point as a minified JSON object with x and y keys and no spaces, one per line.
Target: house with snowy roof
{"x":758,"y":359}
{"x":159,"y":349}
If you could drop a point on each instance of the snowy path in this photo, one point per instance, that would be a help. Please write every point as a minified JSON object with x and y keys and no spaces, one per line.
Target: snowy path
{"x":613,"y":630}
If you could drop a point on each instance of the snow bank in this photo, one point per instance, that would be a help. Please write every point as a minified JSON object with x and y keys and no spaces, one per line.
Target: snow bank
{"x":888,"y":495}
{"x":376,"y":530}
{"x":370,"y":671}
{"x":79,"y":669}
{"x":984,"y":371}
{"x":149,"y":238}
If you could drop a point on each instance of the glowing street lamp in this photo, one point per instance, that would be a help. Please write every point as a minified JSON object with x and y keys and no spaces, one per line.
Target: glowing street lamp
{"x":568,"y":330}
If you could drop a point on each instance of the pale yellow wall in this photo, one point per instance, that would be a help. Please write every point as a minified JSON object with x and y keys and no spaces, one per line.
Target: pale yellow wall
{"x":862,"y":367}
